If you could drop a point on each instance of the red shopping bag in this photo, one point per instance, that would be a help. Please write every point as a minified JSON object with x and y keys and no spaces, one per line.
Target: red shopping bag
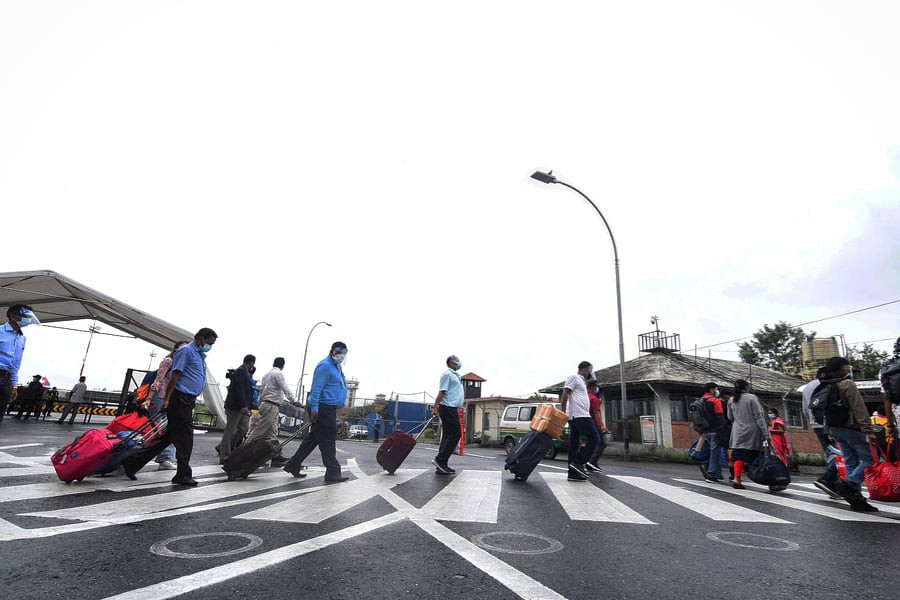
{"x":130,"y":422}
{"x":883,"y":478}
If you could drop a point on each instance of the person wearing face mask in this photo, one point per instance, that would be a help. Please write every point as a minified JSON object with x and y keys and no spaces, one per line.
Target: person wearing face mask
{"x":446,"y":405}
{"x":712,"y":435}
{"x":326,"y":395}
{"x":187,"y":376}
{"x":154,"y":402}
{"x":238,"y":404}
{"x":780,"y":444}
{"x":12,"y":346}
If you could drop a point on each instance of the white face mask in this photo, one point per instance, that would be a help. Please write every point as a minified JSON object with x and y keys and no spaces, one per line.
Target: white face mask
{"x":339,"y":358}
{"x":771,"y":415}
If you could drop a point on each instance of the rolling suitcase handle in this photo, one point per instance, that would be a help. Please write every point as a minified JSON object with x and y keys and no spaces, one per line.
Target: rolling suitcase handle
{"x":294,"y":436}
{"x":161,"y":419}
{"x":424,"y":425}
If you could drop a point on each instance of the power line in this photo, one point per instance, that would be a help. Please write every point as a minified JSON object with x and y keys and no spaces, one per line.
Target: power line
{"x":746,"y":337}
{"x":87,"y":331}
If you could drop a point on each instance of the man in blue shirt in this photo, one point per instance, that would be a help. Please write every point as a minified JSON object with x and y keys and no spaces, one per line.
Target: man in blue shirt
{"x":187,"y":375}
{"x":326,"y":396}
{"x":447,"y":404}
{"x":12,"y":346}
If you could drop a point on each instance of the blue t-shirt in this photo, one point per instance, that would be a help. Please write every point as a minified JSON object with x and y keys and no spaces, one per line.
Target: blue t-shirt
{"x":452,"y":388}
{"x":191,"y":362}
{"x":12,"y":346}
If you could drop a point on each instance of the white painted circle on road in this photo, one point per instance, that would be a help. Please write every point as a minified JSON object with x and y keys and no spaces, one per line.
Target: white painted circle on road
{"x":551,"y":545}
{"x":779,"y":544}
{"x":162,"y":548}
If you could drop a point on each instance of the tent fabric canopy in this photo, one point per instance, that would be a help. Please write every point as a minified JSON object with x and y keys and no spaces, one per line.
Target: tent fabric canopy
{"x":56,"y":298}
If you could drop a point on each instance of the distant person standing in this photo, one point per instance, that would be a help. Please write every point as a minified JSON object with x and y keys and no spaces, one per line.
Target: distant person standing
{"x":780,"y":444}
{"x":76,"y":399}
{"x":12,"y":346}
{"x":574,"y":400}
{"x":35,"y":399}
{"x":186,"y":380}
{"x":52,"y":399}
{"x":890,"y":389}
{"x":274,"y":390}
{"x":326,"y":395}
{"x":446,"y":405}
{"x":238,"y":405}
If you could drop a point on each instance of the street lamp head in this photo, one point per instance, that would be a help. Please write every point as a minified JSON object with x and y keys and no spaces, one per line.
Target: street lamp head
{"x":327,"y":323}
{"x":544,"y":177}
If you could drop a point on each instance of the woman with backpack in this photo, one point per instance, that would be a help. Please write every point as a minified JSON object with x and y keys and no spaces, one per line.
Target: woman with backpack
{"x":748,"y":431}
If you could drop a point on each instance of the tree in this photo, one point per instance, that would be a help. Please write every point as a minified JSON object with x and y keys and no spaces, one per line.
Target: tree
{"x":776,"y":347}
{"x":866,"y":363}
{"x":535,"y":397}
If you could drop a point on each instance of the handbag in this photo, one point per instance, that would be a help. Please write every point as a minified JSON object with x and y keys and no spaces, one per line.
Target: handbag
{"x":883,"y":478}
{"x":699,"y":451}
{"x":768,"y":469}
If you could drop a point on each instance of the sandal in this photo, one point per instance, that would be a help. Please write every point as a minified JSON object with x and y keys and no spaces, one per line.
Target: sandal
{"x":737,"y":485}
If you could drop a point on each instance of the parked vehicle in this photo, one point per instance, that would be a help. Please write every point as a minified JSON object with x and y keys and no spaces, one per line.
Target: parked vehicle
{"x":358,"y":432}
{"x":515,"y":423}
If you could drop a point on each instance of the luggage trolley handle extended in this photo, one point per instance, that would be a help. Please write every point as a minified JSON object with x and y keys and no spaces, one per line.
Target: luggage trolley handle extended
{"x":300,"y":431}
{"x":161,"y":420}
{"x":424,"y":425}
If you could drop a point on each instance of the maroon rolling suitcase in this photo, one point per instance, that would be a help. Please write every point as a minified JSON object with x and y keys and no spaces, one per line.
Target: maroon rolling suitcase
{"x":396,"y":447}
{"x":251,"y":455}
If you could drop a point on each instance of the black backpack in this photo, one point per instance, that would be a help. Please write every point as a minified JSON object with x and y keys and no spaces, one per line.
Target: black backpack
{"x":699,"y":412}
{"x":827,"y":406}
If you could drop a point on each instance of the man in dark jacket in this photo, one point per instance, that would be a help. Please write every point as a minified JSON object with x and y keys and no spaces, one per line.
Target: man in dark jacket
{"x":238,"y":404}
{"x":35,"y":399}
{"x":853,"y":434}
{"x":890,"y":385}
{"x":713,"y":435}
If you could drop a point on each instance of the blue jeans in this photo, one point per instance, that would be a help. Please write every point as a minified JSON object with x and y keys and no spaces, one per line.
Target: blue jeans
{"x":714,"y":466}
{"x":855,"y":448}
{"x":167,"y":453}
{"x":578,"y":427}
{"x":829,"y":475}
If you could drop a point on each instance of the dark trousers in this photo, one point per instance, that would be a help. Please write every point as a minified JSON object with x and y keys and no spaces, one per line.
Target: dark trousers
{"x":5,"y":392}
{"x":323,"y":434}
{"x":179,"y":432}
{"x":70,"y":409}
{"x":450,"y":433}
{"x":599,"y":448}
{"x":582,"y":426}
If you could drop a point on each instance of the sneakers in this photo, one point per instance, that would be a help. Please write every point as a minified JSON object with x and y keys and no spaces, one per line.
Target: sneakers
{"x":860,"y":505}
{"x":711,"y":479}
{"x":845,"y":490}
{"x":828,"y":489}
{"x":737,"y":485}
{"x":575,"y":474}
{"x":166,"y":465}
{"x":442,"y":469}
{"x":703,"y":470}
{"x":577,"y":470}
{"x":592,"y":467}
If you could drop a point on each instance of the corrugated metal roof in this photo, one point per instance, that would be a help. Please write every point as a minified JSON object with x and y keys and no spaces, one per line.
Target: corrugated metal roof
{"x":673,"y":368}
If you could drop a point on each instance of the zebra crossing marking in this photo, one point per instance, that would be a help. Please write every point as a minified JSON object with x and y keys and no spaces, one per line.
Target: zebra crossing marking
{"x":330,"y":501}
{"x":819,"y":509}
{"x":708,"y":506}
{"x":586,"y":502}
{"x":472,"y":496}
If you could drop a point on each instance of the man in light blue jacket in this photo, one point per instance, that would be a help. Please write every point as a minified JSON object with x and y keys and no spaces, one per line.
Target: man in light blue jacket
{"x":326,"y":396}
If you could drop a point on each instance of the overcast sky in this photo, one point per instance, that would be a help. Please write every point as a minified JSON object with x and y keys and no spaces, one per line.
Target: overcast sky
{"x":257,"y":168}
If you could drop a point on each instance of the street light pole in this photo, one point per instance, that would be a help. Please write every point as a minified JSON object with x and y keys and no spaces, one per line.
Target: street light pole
{"x":152,"y":356}
{"x":300,"y":397}
{"x":93,"y":329}
{"x":550,"y":178}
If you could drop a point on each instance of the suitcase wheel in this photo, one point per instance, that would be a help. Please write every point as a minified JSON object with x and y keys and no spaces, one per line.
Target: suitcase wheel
{"x":245,"y":476}
{"x":520,"y":478}
{"x":231,"y":477}
{"x":81,"y":479}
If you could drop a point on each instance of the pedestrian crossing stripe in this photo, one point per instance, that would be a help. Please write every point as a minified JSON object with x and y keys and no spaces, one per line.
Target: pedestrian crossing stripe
{"x":585,"y":502}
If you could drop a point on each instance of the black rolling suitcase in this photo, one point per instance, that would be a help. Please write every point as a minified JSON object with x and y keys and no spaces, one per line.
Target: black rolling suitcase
{"x":527,"y":454}
{"x":250,"y":456}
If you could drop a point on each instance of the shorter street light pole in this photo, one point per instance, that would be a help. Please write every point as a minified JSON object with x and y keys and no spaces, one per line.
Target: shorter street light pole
{"x":93,"y":329}
{"x":550,"y":178}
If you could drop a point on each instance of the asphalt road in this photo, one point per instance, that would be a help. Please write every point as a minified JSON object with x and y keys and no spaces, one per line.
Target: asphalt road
{"x":637,"y":530}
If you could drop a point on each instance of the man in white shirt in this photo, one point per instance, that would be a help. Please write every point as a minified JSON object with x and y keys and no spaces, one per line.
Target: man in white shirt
{"x":272,"y":393}
{"x":575,"y":401}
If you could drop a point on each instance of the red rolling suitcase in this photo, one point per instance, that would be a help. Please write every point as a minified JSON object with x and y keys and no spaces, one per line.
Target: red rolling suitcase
{"x":396,"y":447}
{"x":251,"y":455}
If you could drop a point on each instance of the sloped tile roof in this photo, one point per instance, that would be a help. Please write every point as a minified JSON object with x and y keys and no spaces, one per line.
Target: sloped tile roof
{"x":674,"y":368}
{"x":472,"y":377}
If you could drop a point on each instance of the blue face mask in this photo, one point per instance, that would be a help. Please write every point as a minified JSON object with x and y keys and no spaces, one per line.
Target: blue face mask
{"x":205,"y":348}
{"x":717,"y":393}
